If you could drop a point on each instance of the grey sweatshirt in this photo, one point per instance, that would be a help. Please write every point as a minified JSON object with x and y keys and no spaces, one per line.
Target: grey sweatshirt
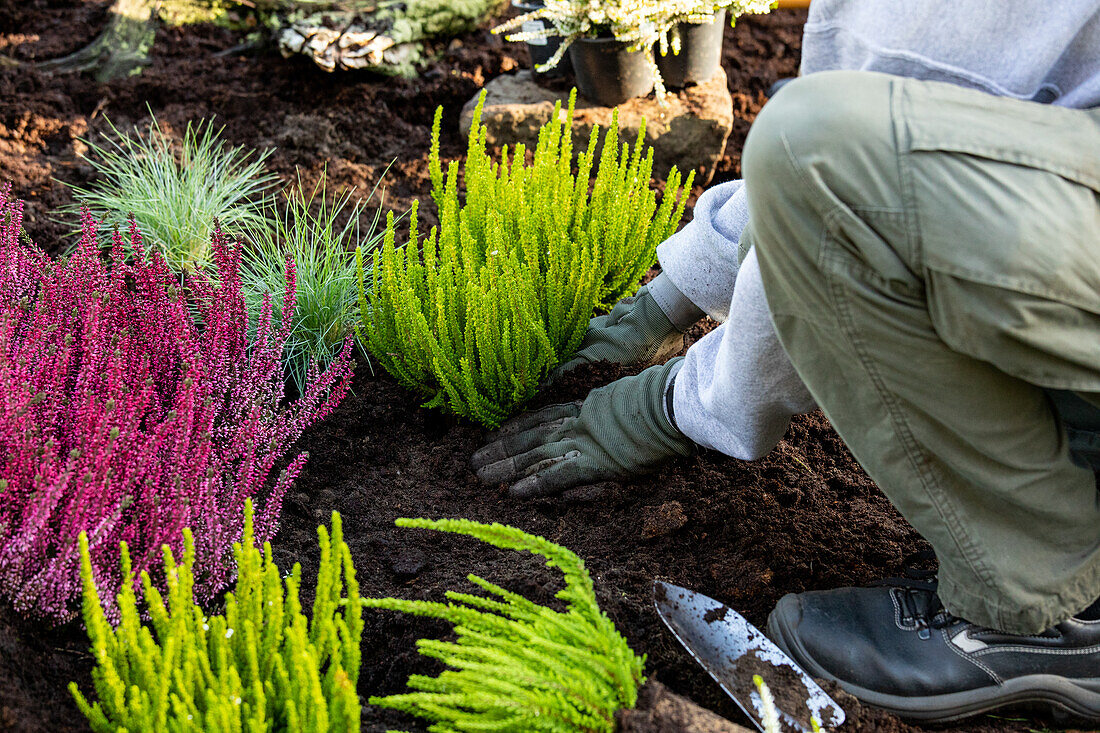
{"x":736,"y":390}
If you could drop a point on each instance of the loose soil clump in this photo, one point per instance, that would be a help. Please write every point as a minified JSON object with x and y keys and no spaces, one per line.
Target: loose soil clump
{"x":806,"y":517}
{"x":660,"y":710}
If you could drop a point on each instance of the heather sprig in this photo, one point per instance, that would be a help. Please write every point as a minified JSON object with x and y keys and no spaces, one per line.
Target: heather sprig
{"x":123,"y":418}
{"x":476,"y":314}
{"x":176,"y":196}
{"x":517,"y":666}
{"x":306,"y":229}
{"x":259,"y":666}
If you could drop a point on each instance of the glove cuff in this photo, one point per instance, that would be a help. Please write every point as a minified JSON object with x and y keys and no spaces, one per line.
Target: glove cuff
{"x":659,"y":406}
{"x":670,"y":384}
{"x":680,"y":311}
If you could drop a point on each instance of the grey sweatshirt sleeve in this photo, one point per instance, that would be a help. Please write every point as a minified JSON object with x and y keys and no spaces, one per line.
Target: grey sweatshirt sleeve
{"x":736,"y":389}
{"x":701,"y":259}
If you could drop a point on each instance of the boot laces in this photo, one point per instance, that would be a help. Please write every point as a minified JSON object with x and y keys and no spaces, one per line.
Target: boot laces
{"x":918,"y":597}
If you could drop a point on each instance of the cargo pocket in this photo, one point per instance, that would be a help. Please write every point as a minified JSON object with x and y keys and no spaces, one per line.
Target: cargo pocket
{"x":1004,"y":197}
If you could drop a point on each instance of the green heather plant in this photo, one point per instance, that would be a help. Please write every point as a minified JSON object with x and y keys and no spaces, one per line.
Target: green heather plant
{"x":516,"y":666}
{"x":261,"y":666}
{"x":476,"y":314}
{"x":176,"y":197}
{"x":304,"y":228}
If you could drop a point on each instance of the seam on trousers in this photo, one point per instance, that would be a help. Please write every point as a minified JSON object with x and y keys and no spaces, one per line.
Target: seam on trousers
{"x":984,"y":277}
{"x":903,"y":148}
{"x":1037,"y":616}
{"x":1012,"y":156}
{"x":916,"y":455}
{"x":917,"y":458}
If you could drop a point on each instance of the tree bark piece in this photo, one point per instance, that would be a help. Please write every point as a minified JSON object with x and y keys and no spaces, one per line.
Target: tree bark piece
{"x":387,"y":39}
{"x":121,"y":49}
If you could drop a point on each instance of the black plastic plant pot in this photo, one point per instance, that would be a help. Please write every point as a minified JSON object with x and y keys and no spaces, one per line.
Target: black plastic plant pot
{"x":608,"y":73}
{"x":542,"y":49}
{"x":700,"y":54}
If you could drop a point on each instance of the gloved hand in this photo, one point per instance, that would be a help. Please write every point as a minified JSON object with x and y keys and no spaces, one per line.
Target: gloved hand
{"x":637,"y":330}
{"x":619,"y":431}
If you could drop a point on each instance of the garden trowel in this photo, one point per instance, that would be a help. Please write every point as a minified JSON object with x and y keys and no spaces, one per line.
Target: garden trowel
{"x":734,"y":651}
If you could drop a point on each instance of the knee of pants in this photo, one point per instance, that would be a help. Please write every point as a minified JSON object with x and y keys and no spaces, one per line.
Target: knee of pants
{"x":824,"y":140}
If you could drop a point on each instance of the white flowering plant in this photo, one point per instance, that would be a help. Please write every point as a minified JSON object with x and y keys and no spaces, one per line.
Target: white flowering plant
{"x":640,"y":24}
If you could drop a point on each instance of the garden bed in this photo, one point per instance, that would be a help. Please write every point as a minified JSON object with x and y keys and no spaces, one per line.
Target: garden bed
{"x":746,"y":533}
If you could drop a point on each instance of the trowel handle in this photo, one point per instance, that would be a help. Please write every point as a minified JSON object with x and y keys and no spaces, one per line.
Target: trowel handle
{"x":794,"y":3}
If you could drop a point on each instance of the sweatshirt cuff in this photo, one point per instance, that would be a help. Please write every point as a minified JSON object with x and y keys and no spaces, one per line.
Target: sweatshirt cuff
{"x":681,"y":312}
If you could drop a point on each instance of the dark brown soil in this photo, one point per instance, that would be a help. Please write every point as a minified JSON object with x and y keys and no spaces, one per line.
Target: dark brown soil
{"x":787,"y":688}
{"x":660,"y":710}
{"x":745,"y":533}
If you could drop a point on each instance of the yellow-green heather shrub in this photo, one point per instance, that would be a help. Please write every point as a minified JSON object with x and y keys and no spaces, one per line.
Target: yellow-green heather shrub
{"x":261,"y":666}
{"x":474,"y":315}
{"x":517,"y":666}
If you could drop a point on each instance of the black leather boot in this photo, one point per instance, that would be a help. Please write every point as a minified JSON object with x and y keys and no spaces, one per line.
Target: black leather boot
{"x":897,"y":648}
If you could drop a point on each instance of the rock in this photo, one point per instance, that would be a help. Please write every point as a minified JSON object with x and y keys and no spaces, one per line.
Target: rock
{"x":407,"y":564}
{"x":690,"y":133}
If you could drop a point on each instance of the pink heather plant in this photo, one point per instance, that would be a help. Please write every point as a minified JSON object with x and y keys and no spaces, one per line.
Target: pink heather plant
{"x":132,"y":406}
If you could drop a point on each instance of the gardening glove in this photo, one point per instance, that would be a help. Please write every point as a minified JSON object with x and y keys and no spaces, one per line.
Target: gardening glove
{"x":645,"y":328}
{"x":617,"y":432}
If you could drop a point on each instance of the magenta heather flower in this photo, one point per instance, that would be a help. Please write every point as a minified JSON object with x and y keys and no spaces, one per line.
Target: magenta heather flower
{"x":132,"y":406}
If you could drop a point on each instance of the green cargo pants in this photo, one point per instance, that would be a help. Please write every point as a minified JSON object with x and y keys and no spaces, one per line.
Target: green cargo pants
{"x":931,"y":259}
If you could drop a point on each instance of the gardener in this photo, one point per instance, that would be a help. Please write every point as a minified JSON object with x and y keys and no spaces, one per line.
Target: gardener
{"x":927,"y":253}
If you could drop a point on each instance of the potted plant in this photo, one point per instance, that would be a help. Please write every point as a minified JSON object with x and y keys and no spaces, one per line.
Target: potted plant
{"x":604,"y":41}
{"x":611,"y":42}
{"x":691,"y":48}
{"x":541,"y":48}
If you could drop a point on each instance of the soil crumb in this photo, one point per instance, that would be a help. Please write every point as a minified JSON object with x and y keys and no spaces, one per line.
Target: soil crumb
{"x":664,"y":519}
{"x":716,"y":614}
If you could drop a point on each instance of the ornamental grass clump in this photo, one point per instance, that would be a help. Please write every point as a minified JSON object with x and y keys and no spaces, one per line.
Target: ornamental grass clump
{"x":123,"y":417}
{"x":516,"y":666}
{"x":306,"y":228}
{"x":476,"y":314}
{"x":260,"y":666}
{"x":176,"y":197}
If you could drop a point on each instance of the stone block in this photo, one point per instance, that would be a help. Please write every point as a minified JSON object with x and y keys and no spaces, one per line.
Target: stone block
{"x":690,"y":133}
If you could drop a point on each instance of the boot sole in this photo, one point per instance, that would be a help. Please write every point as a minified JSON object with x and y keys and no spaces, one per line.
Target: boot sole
{"x":1078,"y":697}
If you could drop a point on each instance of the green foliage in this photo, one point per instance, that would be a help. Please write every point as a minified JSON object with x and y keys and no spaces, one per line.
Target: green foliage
{"x":518,"y":666}
{"x":175,"y":198}
{"x":306,"y":229}
{"x":262,"y":666}
{"x":475,"y":315}
{"x":185,"y":12}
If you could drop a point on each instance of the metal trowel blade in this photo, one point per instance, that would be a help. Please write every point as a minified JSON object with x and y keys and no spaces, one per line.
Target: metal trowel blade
{"x":732,"y":651}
